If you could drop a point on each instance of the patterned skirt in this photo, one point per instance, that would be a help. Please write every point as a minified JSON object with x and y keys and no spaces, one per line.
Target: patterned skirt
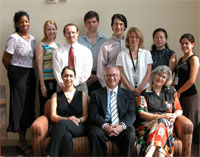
{"x":157,"y":133}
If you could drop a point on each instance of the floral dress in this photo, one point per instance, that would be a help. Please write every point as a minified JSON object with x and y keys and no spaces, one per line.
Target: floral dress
{"x":158,"y":132}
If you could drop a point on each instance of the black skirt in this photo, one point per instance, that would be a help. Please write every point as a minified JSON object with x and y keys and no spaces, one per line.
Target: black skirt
{"x":22,"y":98}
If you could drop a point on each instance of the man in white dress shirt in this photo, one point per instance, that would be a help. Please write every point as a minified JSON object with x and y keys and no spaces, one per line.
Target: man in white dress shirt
{"x":82,"y":58}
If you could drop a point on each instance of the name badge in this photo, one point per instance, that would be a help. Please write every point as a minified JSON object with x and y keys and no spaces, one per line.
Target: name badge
{"x":176,"y":80}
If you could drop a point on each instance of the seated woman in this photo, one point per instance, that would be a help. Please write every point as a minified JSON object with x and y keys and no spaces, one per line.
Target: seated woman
{"x":158,"y":107}
{"x":68,"y":114}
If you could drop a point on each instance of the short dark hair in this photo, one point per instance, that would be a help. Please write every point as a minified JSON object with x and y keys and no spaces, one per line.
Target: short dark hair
{"x":91,"y":14}
{"x":70,"y":24}
{"x":69,"y":68}
{"x":121,"y":17}
{"x":17,"y":17}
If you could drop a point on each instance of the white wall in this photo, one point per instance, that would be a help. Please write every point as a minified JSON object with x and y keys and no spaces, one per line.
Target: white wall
{"x":176,"y":16}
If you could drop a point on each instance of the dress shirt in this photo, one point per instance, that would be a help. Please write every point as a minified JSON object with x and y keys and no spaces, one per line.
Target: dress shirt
{"x":144,"y":59}
{"x":108,"y":53}
{"x":94,"y":47}
{"x":82,"y":60}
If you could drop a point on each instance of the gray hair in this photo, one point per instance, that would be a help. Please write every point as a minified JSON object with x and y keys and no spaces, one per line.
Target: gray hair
{"x":111,"y":66}
{"x":162,"y":69}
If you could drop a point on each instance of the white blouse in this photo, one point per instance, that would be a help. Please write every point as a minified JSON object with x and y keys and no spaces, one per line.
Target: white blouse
{"x":23,"y":50}
{"x":144,"y":58}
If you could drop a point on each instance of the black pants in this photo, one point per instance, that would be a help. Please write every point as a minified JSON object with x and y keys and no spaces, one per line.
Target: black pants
{"x":98,"y":138}
{"x":61,"y":143}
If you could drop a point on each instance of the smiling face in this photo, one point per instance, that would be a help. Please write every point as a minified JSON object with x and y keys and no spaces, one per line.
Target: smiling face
{"x":50,"y":31}
{"x":92,"y":24}
{"x":71,"y":34}
{"x":68,"y":77}
{"x":23,"y":24}
{"x":112,"y":77}
{"x":160,"y":79}
{"x":118,"y":28}
{"x":134,"y":40}
{"x":160,"y":40}
{"x":186,"y":46}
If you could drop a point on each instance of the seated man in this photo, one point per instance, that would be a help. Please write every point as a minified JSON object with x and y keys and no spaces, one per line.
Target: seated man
{"x":112,"y":114}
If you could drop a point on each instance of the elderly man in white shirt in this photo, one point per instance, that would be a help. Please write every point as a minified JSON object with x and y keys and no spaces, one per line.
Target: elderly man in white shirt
{"x":82,"y":58}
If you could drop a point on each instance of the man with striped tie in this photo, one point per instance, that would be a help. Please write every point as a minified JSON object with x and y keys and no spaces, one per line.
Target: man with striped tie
{"x":112,"y":112}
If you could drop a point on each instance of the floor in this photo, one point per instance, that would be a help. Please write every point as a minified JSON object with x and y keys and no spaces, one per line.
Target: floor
{"x":10,"y":151}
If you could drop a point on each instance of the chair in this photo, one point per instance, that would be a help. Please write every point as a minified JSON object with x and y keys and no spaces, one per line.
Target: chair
{"x":39,"y":129}
{"x":0,"y":139}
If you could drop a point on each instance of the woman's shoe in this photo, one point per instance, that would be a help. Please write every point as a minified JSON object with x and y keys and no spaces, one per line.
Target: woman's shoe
{"x":26,"y":151}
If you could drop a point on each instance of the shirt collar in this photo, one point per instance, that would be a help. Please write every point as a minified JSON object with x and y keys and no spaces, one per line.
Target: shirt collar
{"x":114,"y":90}
{"x":117,"y":39}
{"x":73,"y":45}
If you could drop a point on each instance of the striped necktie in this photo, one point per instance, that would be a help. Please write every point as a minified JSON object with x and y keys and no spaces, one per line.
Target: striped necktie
{"x":114,"y":109}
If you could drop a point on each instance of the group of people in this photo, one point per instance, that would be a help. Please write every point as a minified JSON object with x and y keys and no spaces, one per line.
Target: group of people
{"x":123,"y":81}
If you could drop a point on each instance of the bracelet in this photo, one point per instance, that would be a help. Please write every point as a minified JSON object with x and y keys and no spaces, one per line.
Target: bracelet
{"x":80,"y":120}
{"x":139,"y":88}
{"x":43,"y":87}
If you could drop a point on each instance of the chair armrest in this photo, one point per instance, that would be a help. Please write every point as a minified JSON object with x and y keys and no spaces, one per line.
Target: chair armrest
{"x":39,"y":130}
{"x":184,"y":130}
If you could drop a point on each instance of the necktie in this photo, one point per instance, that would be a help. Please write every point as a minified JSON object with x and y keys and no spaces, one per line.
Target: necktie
{"x":113,"y":108}
{"x":71,"y":58}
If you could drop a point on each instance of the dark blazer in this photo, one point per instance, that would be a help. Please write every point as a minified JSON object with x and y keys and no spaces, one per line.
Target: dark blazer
{"x":98,"y":106}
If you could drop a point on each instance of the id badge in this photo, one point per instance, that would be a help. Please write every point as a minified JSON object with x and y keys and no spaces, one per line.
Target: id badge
{"x":50,"y":85}
{"x":176,"y":80}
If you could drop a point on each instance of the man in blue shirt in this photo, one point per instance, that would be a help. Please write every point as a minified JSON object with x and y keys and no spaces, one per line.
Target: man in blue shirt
{"x":93,"y":40}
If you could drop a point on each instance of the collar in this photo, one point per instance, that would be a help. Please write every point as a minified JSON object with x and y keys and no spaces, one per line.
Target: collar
{"x":117,"y":39}
{"x":73,"y":45}
{"x":114,"y":90}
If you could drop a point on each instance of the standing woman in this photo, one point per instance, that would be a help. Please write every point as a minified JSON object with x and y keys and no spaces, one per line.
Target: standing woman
{"x":18,"y":60}
{"x":44,"y":52}
{"x":161,"y":54}
{"x":186,"y":74}
{"x":134,"y":63}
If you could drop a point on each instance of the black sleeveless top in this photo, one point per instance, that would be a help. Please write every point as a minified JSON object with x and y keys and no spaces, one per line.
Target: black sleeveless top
{"x":66,"y":109}
{"x":183,"y":71}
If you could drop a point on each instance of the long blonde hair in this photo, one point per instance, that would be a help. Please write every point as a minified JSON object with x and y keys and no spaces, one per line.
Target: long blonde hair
{"x":45,"y":25}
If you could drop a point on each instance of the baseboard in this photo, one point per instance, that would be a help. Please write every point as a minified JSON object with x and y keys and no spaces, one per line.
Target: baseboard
{"x":11,"y":142}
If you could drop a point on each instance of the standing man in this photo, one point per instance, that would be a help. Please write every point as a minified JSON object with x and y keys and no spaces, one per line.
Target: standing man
{"x":112,"y":112}
{"x":74,"y":54}
{"x":110,"y":49}
{"x":93,"y":40}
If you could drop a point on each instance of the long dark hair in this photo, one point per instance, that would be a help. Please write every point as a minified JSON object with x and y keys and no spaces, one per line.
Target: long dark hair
{"x":17,"y":17}
{"x":153,"y":47}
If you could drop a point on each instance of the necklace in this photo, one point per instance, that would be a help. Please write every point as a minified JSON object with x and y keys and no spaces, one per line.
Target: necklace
{"x":69,"y":95}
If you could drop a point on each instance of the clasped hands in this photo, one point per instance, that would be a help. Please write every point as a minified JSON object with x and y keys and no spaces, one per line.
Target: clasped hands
{"x":113,"y":130}
{"x":75,"y":120}
{"x":171,"y":117}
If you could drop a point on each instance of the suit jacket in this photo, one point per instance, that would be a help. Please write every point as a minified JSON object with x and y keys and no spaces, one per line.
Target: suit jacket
{"x":98,"y":106}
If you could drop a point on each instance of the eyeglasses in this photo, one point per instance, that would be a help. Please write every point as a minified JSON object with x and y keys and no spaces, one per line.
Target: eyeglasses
{"x":112,"y":75}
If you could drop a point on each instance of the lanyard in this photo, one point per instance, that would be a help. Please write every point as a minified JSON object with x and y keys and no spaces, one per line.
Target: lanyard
{"x":134,"y":66}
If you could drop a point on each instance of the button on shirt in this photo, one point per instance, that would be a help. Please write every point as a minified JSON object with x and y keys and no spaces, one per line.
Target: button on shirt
{"x":82,"y":59}
{"x":94,"y":47}
{"x":108,"y":53}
